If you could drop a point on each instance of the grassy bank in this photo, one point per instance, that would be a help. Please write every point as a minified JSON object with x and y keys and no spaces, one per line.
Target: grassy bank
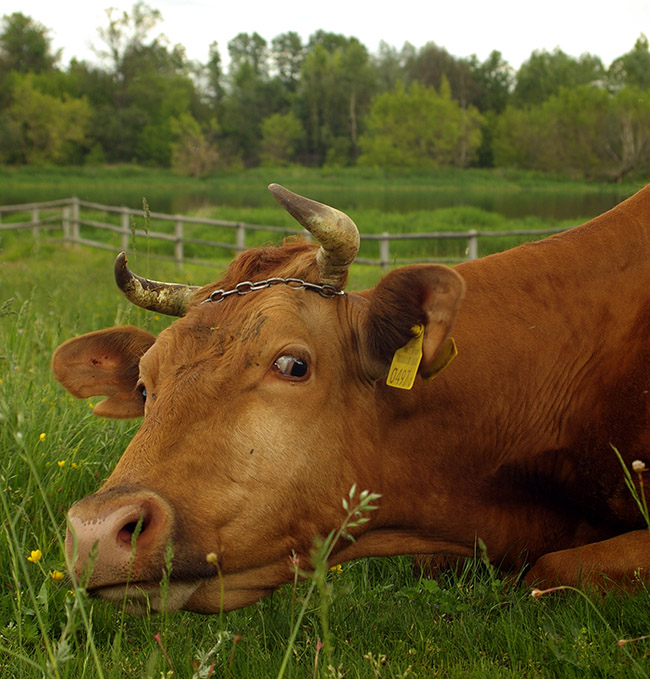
{"x":384,"y":620}
{"x":444,"y":177}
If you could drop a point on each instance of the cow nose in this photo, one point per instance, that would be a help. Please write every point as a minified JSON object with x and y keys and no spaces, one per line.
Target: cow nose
{"x":116,"y":537}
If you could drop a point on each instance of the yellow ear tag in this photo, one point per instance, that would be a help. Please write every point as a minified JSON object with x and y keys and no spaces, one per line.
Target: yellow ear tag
{"x":446,"y":354}
{"x":406,"y":361}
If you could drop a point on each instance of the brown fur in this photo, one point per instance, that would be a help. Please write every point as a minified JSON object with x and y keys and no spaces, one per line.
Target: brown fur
{"x":295,"y":259}
{"x":511,"y":443}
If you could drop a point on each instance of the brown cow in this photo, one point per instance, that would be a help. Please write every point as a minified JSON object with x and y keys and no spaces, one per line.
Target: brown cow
{"x":262,"y":410}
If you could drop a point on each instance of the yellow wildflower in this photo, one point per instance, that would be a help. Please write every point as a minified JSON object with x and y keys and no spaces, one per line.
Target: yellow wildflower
{"x":41,"y":437}
{"x":75,"y":465}
{"x":35,"y":556}
{"x":338,"y":569}
{"x":56,"y":576}
{"x":91,"y":405}
{"x":61,"y":463}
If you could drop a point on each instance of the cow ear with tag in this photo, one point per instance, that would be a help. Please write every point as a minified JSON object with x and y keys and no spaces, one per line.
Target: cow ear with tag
{"x":410,"y":320}
{"x":104,"y":363}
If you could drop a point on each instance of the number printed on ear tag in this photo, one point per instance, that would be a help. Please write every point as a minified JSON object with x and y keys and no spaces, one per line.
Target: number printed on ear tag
{"x":406,"y":360}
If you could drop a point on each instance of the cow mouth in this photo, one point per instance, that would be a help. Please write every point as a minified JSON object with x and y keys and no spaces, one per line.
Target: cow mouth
{"x":139,"y":598}
{"x":207,"y":596}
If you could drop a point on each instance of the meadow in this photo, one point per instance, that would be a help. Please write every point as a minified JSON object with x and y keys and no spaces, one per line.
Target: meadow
{"x":376,"y":617}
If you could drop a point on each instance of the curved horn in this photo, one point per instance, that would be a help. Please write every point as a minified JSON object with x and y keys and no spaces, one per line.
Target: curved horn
{"x":165,"y":298}
{"x":334,"y":230}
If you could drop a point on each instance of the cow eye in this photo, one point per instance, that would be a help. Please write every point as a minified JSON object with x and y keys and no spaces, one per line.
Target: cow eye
{"x":292,"y":367}
{"x":143,"y":392}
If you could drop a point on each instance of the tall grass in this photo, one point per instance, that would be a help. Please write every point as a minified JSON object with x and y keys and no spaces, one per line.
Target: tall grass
{"x":378,"y":618}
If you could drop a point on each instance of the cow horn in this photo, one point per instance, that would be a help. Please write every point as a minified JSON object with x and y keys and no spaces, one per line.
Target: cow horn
{"x":165,"y":298}
{"x":334,"y":230}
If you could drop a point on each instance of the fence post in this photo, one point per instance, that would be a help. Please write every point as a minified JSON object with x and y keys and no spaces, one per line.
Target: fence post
{"x":240,"y":238}
{"x":178,"y":243}
{"x":66,"y":225}
{"x":124,"y":229}
{"x":384,"y":250}
{"x":35,"y":219}
{"x":74,"y":223}
{"x":472,"y":244}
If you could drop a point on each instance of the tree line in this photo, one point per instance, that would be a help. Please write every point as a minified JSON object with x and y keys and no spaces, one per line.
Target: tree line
{"x":327,"y":102}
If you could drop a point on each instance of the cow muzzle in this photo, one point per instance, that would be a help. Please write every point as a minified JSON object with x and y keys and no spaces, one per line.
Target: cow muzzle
{"x":117,"y":537}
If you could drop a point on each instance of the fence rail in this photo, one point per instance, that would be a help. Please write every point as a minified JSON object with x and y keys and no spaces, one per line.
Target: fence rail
{"x":71,"y":214}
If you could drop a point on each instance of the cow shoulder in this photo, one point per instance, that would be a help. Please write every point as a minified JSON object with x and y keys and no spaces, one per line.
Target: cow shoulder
{"x":104,"y":363}
{"x":420,"y":294}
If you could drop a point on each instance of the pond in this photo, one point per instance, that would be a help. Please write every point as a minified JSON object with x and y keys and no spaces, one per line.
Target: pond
{"x":560,"y":203}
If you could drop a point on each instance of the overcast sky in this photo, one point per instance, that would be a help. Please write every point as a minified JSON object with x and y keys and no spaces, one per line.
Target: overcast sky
{"x":514,"y":27}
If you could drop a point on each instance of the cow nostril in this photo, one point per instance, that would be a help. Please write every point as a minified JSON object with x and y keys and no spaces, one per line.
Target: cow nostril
{"x":131,"y":529}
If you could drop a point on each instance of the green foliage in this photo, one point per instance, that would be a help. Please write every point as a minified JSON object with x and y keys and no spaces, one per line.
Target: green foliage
{"x":333,"y":87}
{"x":583,"y":131}
{"x":336,"y":87}
{"x":39,"y":128}
{"x":281,"y":135}
{"x":24,"y":45}
{"x":632,"y":69}
{"x":420,"y":128}
{"x":287,"y":54}
{"x":192,"y":152}
{"x":545,"y":74}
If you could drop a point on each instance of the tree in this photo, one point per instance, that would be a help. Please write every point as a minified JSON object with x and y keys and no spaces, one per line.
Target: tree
{"x":150,"y":85}
{"x":215,"y":76}
{"x":287,"y":54}
{"x":281,"y":135}
{"x":389,"y":66}
{"x":584,"y":131}
{"x":336,"y":88}
{"x":494,"y":80}
{"x":419,"y":127}
{"x":252,"y":97}
{"x":127,"y":33}
{"x":545,"y":73}
{"x":193,"y":153}
{"x":25,"y":46}
{"x":633,"y":68}
{"x":628,"y":141}
{"x":431,"y":64}
{"x":40,"y":129}
{"x":249,"y":51}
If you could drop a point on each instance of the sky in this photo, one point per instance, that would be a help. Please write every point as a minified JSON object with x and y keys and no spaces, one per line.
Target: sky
{"x":514,"y":27}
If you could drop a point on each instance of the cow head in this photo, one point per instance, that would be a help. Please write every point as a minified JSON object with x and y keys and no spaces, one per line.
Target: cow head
{"x":260,"y":412}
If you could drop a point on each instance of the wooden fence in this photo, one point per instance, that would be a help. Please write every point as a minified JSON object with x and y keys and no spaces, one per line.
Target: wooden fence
{"x":71,"y":214}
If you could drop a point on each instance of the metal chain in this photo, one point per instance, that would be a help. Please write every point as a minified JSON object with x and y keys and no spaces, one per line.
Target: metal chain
{"x":325,"y":290}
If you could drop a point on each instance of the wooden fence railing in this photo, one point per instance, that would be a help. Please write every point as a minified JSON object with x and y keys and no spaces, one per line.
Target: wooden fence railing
{"x":68,"y":214}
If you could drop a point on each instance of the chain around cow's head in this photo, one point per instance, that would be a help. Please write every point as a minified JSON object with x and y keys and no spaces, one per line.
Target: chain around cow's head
{"x":243,"y":288}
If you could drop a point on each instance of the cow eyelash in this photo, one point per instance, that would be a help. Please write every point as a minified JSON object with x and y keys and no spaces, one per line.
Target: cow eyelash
{"x":291,"y":367}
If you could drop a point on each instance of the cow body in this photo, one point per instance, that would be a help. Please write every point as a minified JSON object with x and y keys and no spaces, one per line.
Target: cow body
{"x":244,"y":458}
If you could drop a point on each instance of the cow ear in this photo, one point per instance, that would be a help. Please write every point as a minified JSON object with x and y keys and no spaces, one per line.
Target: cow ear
{"x":104,"y":363}
{"x":421,"y":294}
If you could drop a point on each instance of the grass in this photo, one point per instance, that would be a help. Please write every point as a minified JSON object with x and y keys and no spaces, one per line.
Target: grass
{"x":380,"y":618}
{"x":370,"y":222}
{"x":126,"y":175}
